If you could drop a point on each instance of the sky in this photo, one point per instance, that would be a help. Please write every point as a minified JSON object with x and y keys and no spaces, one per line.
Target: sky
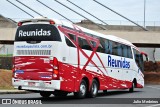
{"x":132,"y":9}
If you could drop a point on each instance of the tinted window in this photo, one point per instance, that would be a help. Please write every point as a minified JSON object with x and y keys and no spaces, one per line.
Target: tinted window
{"x":84,"y":44}
{"x":107,"y":47}
{"x":73,"y":37}
{"x":101,"y":47}
{"x":124,"y":51}
{"x":69,"y":43}
{"x":139,"y":59}
{"x":119,"y":49}
{"x":93,"y":44}
{"x":114,"y":48}
{"x":129,"y":52}
{"x":37,"y":32}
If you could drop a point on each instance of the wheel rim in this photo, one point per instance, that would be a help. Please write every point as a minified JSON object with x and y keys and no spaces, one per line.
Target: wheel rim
{"x":83,"y":89}
{"x":94,"y":89}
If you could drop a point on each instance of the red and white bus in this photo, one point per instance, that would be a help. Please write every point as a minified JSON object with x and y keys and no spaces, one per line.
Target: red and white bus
{"x":55,"y":57}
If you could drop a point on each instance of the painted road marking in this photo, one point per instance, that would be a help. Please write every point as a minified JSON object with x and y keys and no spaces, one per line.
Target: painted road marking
{"x":153,"y":105}
{"x":153,"y":87}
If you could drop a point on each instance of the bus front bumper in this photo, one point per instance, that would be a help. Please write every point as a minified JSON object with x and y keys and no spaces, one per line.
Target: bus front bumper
{"x":36,"y":85}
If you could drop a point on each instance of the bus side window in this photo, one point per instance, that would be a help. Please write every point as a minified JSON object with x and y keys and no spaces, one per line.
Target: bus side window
{"x":119,"y":47}
{"x":101,"y":47}
{"x":129,"y":52}
{"x":124,"y":52}
{"x":84,"y":44}
{"x":114,"y":48}
{"x":93,"y":44}
{"x":110,"y":47}
{"x":107,"y":47}
{"x":69,"y":43}
{"x":73,"y":37}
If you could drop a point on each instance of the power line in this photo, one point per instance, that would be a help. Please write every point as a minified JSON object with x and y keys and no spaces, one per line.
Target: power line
{"x":120,"y":15}
{"x":54,"y":11}
{"x":20,"y":8}
{"x":80,"y":15}
{"x":87,"y":12}
{"x":29,"y":8}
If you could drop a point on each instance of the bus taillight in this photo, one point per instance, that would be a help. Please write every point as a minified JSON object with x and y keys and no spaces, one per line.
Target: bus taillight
{"x":55,"y":68}
{"x":51,"y":22}
{"x":19,"y":23}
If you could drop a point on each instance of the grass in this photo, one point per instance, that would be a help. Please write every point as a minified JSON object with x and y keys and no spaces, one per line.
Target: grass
{"x":6,"y":55}
{"x":6,"y":79}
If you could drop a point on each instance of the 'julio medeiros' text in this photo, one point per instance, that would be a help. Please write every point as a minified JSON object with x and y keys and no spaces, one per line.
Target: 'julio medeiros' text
{"x":145,"y":101}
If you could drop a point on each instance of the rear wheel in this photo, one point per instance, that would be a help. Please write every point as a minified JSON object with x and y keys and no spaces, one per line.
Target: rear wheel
{"x":58,"y":93}
{"x":45,"y":94}
{"x":82,"y":90}
{"x":94,"y":89}
{"x":132,"y":88}
{"x":105,"y":91}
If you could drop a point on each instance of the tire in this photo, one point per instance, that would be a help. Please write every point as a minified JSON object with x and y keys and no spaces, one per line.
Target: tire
{"x":105,"y":91}
{"x":132,"y":88}
{"x":58,"y":93}
{"x":45,"y":94}
{"x":94,"y":89}
{"x":82,"y":90}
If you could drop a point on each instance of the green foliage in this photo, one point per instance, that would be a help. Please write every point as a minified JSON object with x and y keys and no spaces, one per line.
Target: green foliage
{"x":6,"y":55}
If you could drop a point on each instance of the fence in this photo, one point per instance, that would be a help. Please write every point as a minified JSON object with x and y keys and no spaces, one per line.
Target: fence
{"x":6,"y":63}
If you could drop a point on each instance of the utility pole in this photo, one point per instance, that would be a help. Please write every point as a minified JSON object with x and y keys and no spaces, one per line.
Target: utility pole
{"x":120,"y":15}
{"x":144,"y":13}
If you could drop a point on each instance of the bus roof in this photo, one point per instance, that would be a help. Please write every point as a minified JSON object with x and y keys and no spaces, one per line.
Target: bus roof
{"x":71,"y":25}
{"x":109,"y":37}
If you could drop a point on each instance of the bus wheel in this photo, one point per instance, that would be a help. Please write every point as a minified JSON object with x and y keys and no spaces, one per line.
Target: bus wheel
{"x":59,"y":93}
{"x":132,"y":88}
{"x":45,"y":94}
{"x":82,"y":90}
{"x":94,"y":89}
{"x":105,"y":91}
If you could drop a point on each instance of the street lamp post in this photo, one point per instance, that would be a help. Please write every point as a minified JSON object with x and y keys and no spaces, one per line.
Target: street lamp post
{"x":144,"y":13}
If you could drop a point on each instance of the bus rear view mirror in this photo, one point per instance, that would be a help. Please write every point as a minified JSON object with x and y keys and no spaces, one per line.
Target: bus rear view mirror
{"x":146,"y":56}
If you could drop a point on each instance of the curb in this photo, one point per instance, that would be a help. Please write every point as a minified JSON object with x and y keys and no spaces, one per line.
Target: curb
{"x":14,"y":92}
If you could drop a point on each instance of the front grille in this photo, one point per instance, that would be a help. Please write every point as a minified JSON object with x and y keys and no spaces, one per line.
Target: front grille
{"x":33,"y":52}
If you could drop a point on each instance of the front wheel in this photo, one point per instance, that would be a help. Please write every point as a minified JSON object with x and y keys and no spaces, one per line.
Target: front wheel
{"x":94,"y":89}
{"x":82,"y":90}
{"x":45,"y":94}
{"x":132,"y":88}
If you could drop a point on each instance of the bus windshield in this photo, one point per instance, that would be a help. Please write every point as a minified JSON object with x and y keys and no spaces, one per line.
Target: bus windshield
{"x":37,"y":32}
{"x":139,"y":59}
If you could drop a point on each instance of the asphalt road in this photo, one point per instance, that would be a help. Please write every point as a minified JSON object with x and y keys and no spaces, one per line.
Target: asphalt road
{"x":113,"y":98}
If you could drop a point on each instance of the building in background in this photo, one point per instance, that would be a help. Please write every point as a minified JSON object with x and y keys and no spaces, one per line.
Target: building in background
{"x":8,"y":28}
{"x":5,"y":23}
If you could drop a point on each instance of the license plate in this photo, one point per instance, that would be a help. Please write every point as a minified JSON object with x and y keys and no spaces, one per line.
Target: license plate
{"x":31,"y":83}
